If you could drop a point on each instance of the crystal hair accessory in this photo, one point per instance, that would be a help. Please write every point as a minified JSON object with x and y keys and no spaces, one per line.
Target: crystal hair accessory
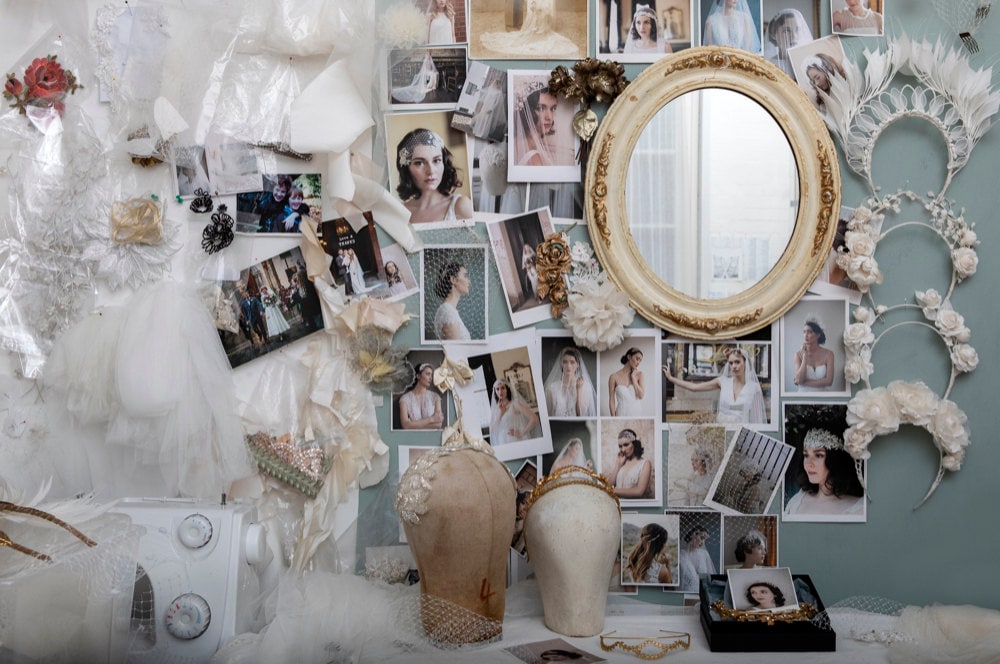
{"x":648,"y":647}
{"x":822,"y":439}
{"x":644,"y":9}
{"x":430,"y":138}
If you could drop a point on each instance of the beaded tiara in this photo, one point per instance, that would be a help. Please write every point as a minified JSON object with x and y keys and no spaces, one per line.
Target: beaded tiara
{"x":821,"y":438}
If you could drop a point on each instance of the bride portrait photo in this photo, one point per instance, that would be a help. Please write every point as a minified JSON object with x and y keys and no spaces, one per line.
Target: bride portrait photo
{"x":528,"y":29}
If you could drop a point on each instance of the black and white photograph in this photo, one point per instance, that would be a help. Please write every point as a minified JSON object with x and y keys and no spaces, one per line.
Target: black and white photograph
{"x":816,"y":64}
{"x":750,"y":475}
{"x":650,"y":549}
{"x":700,"y":547}
{"x":453,"y":296}
{"x":569,"y":371}
{"x":492,"y":194}
{"x":421,"y":406}
{"x":514,"y":242}
{"x":631,"y":460}
{"x":357,"y":264}
{"x":812,"y":343}
{"x":858,"y":17}
{"x":281,"y":206}
{"x":833,"y":280}
{"x":762,"y":590}
{"x":426,"y":78}
{"x":233,"y":166}
{"x":573,"y":444}
{"x":733,"y":23}
{"x":750,"y":541}
{"x":538,"y":30}
{"x":787,"y":24}
{"x":694,"y":456}
{"x":445,"y":20}
{"x":563,"y":199}
{"x":629,"y":385}
{"x":552,"y":650}
{"x":190,"y":170}
{"x":821,"y":483}
{"x":482,"y":106}
{"x":542,"y":145}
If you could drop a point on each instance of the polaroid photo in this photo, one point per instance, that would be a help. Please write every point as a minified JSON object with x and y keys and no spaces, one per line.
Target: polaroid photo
{"x":787,"y":25}
{"x":445,"y":21}
{"x":543,"y":147}
{"x":275,"y":303}
{"x":233,"y":166}
{"x":454,"y":294}
{"x":430,"y":172}
{"x":563,"y":199}
{"x":503,"y":402}
{"x":552,"y":650}
{"x":723,"y":382}
{"x":644,"y":33}
{"x":514,"y":242}
{"x":493,"y":196}
{"x":815,"y":64}
{"x":858,"y":17}
{"x":821,"y":483}
{"x":360,"y":265}
{"x":281,"y":206}
{"x":574,"y":443}
{"x":650,"y":549}
{"x":694,"y":456}
{"x":833,"y":280}
{"x":400,"y":280}
{"x":482,"y":106}
{"x":699,"y":545}
{"x":408,"y":455}
{"x":750,"y":541}
{"x":628,"y":377}
{"x":570,"y":372}
{"x":190,"y":167}
{"x":528,"y":31}
{"x":421,"y":406}
{"x":526,"y":478}
{"x":812,"y":345}
{"x":750,"y":474}
{"x":425,"y":78}
{"x":741,"y":28}
{"x":762,"y":589}
{"x":631,"y":458}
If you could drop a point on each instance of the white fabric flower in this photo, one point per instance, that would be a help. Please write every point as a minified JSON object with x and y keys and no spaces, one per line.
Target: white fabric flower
{"x":856,"y":443}
{"x":864,"y":315}
{"x":950,"y":427}
{"x":859,"y":243}
{"x":581,"y":252}
{"x":597,"y":315}
{"x":964,"y":357}
{"x":861,"y":217}
{"x":857,"y":335}
{"x":915,"y":401}
{"x":965,"y":262}
{"x":863,"y":271}
{"x":968,"y":238}
{"x":929,"y":300}
{"x":858,"y":366}
{"x":950,"y":323}
{"x":873,"y":411}
{"x":953,"y":462}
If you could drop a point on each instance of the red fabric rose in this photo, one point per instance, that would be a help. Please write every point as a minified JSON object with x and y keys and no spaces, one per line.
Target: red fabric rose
{"x":45,"y":79}
{"x":13,"y":86}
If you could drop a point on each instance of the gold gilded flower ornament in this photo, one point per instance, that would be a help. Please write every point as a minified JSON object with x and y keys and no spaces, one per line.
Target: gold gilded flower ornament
{"x":590,"y":81}
{"x":554,"y":264}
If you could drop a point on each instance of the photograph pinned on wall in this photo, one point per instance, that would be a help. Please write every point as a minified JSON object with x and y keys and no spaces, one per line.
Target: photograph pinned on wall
{"x":563,"y":199}
{"x":627,"y":377}
{"x":769,"y":590}
{"x":281,"y":206}
{"x":421,"y":406}
{"x":816,"y":64}
{"x":514,"y":242}
{"x":445,"y":21}
{"x":573,"y":444}
{"x":357,"y":264}
{"x":502,"y":403}
{"x":482,"y":106}
{"x":552,"y":650}
{"x":631,"y":456}
{"x":526,"y":478}
{"x":858,"y":17}
{"x":528,"y":30}
{"x":276,"y":304}
{"x":722,"y":382}
{"x":649,"y":549}
{"x":812,"y":342}
{"x":425,"y":78}
{"x":643,"y":32}
{"x":408,"y":455}
{"x":430,"y":168}
{"x":570,"y":372}
{"x":233,"y":166}
{"x":728,"y":23}
{"x":492,"y":194}
{"x":694,"y":456}
{"x":750,"y":475}
{"x":750,"y":541}
{"x":787,"y":24}
{"x":400,"y":280}
{"x":190,"y":168}
{"x":699,"y":545}
{"x":542,"y":146}
{"x":832,"y":279}
{"x":821,"y":483}
{"x":454,"y":294}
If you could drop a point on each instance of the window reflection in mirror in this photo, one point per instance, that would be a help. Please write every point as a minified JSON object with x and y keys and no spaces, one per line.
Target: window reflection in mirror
{"x":712,"y":193}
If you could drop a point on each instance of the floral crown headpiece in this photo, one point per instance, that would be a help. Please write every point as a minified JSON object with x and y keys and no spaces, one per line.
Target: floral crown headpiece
{"x":821,"y":438}
{"x":430,"y":138}
{"x":817,"y":321}
{"x":628,"y":434}
{"x":528,"y":88}
{"x":644,"y":9}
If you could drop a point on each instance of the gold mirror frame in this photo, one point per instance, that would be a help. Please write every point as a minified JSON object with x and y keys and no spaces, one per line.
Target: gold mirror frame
{"x":819,"y":192}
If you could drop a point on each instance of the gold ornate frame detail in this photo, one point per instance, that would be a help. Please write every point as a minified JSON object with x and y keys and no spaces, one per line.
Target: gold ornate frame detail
{"x":819,"y":192}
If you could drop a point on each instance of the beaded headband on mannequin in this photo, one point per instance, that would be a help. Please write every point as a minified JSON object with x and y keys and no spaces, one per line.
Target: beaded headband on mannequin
{"x":822,"y":439}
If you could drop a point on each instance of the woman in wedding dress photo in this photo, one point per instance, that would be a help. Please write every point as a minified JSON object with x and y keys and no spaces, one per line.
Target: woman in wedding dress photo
{"x":855,"y":17}
{"x":440,"y":22}
{"x":452,"y":283}
{"x":356,"y":274}
{"x":572,"y":454}
{"x":423,"y":83}
{"x":428,"y":179}
{"x":511,"y":419}
{"x":741,"y":400}
{"x":538,"y":36}
{"x":820,"y":68}
{"x":827,"y":480}
{"x":568,"y":388}
{"x":785,"y":30}
{"x":730,"y":23}
{"x":645,"y":35}
{"x":630,"y":473}
{"x":814,"y":365}
{"x":695,"y":559}
{"x":627,"y":386}
{"x":276,"y":323}
{"x":420,"y":406}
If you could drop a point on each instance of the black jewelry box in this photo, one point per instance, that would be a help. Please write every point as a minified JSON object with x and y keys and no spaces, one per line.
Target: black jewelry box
{"x":731,"y":635}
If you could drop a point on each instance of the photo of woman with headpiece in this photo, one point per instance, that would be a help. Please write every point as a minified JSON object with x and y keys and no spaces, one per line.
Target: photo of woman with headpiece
{"x":741,"y":400}
{"x":569,"y":391}
{"x":693,"y":458}
{"x":855,"y":17}
{"x":751,"y":550}
{"x":820,"y":69}
{"x":649,"y":552}
{"x":631,"y":471}
{"x":812,"y":334}
{"x":454,"y":297}
{"x":428,"y":179}
{"x":646,"y":36}
{"x":572,"y":454}
{"x":695,"y":558}
{"x":542,"y":147}
{"x":814,"y":365}
{"x":786,"y":29}
{"x":731,"y":23}
{"x":511,"y":419}
{"x":452,"y":283}
{"x":827,"y":479}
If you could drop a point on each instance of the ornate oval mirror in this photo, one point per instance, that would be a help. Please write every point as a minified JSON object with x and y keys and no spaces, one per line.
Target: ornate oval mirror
{"x":713,"y":192}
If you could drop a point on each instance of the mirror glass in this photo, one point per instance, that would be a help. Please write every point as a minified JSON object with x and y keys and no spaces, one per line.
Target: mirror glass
{"x":712,"y":193}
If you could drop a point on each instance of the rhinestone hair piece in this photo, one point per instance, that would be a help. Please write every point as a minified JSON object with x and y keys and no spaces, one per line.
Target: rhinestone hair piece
{"x":405,"y":155}
{"x":821,"y":438}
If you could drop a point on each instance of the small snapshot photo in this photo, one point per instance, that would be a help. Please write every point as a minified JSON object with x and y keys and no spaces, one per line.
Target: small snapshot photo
{"x":644,"y":32}
{"x":573,"y":444}
{"x":491,"y":192}
{"x":421,"y":406}
{"x":276,"y":304}
{"x":694,"y":456}
{"x":431,"y":173}
{"x":631,"y":459}
{"x":821,"y":483}
{"x":482,"y":106}
{"x":563,"y":199}
{"x":858,"y":17}
{"x":812,"y":341}
{"x":445,"y":20}
{"x":400,"y":280}
{"x":358,"y":265}
{"x":628,"y":378}
{"x":528,"y":30}
{"x":816,"y":64}
{"x":191,"y":170}
{"x":514,"y":241}
{"x":526,"y":478}
{"x":700,"y":547}
{"x":787,"y":24}
{"x":453,"y":298}
{"x":281,"y":206}
{"x":750,"y":474}
{"x":729,"y":23}
{"x":832,"y":279}
{"x":426,"y":78}
{"x":553,"y":650}
{"x":232,"y":165}
{"x":650,"y":549}
{"x":543,"y":146}
{"x":569,"y":370}
{"x":750,"y":541}
{"x":762,"y":590}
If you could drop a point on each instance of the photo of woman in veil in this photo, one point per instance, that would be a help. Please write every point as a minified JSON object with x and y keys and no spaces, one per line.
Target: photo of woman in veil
{"x":542,"y":147}
{"x":511,"y":419}
{"x":569,"y":391}
{"x":786,"y":29}
{"x":730,"y":23}
{"x":741,"y":399}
